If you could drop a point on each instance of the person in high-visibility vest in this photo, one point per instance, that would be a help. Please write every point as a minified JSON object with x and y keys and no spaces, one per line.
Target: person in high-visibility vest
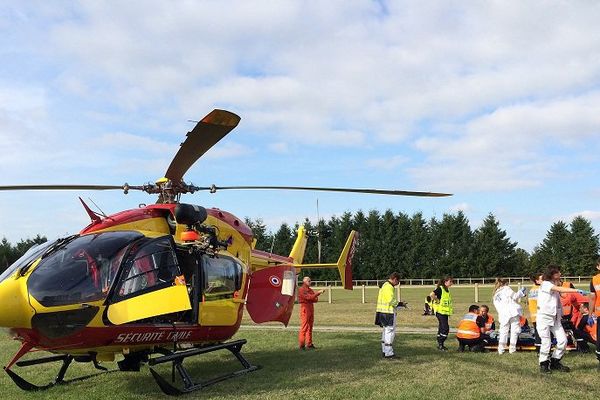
{"x":470,"y":331}
{"x":385,"y":315}
{"x":509,"y":310}
{"x":595,"y":304}
{"x":532,"y":296}
{"x":443,"y":309}
{"x":549,"y":312}
{"x":428,"y":306}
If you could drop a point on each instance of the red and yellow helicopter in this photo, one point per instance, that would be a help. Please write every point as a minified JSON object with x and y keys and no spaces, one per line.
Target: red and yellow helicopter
{"x":156,"y":284}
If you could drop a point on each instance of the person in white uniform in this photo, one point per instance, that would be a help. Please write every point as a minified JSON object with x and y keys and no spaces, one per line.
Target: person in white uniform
{"x":509,"y":310}
{"x":549,"y":313}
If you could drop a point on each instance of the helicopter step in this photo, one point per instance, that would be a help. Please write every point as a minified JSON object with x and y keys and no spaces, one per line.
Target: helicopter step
{"x":189,"y":385}
{"x":59,"y":380}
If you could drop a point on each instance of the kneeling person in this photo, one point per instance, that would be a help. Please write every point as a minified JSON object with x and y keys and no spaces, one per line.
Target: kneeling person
{"x":470,"y":331}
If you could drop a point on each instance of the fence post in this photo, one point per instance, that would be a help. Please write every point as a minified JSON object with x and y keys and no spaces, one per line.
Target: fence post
{"x":476,"y":292}
{"x":519,"y":286}
{"x":363,"y":294}
{"x":329,"y":294}
{"x":398,"y":293}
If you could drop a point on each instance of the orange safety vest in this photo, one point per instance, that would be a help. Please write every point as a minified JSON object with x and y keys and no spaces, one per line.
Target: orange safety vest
{"x":596,"y":284}
{"x":565,"y":300}
{"x":467,"y":328}
{"x":489,"y":322}
{"x":532,"y":296}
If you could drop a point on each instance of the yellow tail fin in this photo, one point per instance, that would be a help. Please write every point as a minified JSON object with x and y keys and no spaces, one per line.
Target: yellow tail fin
{"x":297,"y":253}
{"x":344,"y":263}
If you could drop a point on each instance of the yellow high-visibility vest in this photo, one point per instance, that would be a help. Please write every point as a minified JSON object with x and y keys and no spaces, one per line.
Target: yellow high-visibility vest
{"x":445,"y":307}
{"x":385,"y":299}
{"x":532,"y":296}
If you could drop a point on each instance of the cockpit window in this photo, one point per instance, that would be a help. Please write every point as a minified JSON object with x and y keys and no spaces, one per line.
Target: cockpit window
{"x":222,"y":277}
{"x":149,"y":266}
{"x":30,"y":256}
{"x":81,"y":270}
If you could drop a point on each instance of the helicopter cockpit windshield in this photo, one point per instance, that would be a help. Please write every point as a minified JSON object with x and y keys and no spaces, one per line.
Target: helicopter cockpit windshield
{"x":30,"y":255}
{"x":81,"y":270}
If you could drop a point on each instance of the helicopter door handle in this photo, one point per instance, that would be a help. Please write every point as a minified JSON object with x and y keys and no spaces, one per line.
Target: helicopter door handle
{"x":86,"y":305}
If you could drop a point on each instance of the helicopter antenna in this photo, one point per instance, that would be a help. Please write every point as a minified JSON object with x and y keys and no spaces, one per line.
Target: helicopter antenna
{"x":272,"y":244}
{"x":101,"y":212}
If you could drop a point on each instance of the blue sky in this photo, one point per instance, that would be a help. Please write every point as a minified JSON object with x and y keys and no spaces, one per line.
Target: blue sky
{"x":496,"y":102}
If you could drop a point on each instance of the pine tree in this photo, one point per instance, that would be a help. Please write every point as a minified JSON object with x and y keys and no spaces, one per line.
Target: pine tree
{"x":418,"y":249}
{"x":259,"y":230}
{"x":583,"y":247}
{"x":493,"y":252}
{"x":554,"y":248}
{"x":283,"y":240}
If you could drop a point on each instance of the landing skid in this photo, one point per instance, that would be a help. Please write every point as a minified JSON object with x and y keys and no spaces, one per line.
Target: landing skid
{"x":59,"y":380}
{"x":189,"y":385}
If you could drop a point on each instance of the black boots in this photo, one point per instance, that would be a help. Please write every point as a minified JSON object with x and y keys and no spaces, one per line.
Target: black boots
{"x":557,"y":366}
{"x":545,"y":367}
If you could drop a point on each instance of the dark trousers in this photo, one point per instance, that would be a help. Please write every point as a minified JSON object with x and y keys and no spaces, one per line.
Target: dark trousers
{"x":474,"y":344}
{"x":597,"y":340}
{"x":443,"y":328}
{"x":538,"y":341}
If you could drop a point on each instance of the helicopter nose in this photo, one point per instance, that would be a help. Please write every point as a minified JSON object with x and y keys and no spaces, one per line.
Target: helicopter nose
{"x":15,"y":311}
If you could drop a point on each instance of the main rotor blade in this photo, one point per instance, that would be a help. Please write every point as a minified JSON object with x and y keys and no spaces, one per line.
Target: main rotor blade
{"x":205,"y":135}
{"x":329,"y":189}
{"x":61,"y":187}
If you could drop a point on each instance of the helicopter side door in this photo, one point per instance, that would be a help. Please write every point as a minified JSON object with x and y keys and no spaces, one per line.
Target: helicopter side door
{"x":150,"y":284}
{"x":222,"y":281}
{"x":271,"y":294}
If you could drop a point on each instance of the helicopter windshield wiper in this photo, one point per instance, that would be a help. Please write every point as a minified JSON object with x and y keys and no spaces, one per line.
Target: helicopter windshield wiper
{"x":57,"y":245}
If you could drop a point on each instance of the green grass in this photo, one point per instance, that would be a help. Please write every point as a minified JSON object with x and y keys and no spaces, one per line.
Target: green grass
{"x":346,"y":308}
{"x":346,"y":365}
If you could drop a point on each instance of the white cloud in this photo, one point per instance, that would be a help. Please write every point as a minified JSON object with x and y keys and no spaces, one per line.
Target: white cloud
{"x":228,"y":150}
{"x":279,"y":147}
{"x":128,"y":142}
{"x":388,"y":163}
{"x":464,"y":207}
{"x":587,"y":214}
{"x":509,"y":147}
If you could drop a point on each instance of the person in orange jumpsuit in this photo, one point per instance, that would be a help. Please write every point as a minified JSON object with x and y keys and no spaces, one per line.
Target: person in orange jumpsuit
{"x":307,"y":297}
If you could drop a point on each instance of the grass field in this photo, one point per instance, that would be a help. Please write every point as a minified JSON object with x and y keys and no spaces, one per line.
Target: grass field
{"x":347,"y":365}
{"x":346,"y":308}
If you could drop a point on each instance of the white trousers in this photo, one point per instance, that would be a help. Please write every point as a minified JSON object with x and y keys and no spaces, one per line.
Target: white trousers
{"x":513,"y":325}
{"x":387,"y":339}
{"x":546,"y":325}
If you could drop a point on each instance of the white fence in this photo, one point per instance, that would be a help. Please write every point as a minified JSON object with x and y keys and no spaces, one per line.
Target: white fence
{"x":433,"y":282}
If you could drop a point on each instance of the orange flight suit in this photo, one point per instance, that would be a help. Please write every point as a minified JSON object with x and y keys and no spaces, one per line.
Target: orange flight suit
{"x":306,"y":298}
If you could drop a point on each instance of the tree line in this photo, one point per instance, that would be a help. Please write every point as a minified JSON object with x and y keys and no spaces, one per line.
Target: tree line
{"x":431,"y":248}
{"x":416,"y":247}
